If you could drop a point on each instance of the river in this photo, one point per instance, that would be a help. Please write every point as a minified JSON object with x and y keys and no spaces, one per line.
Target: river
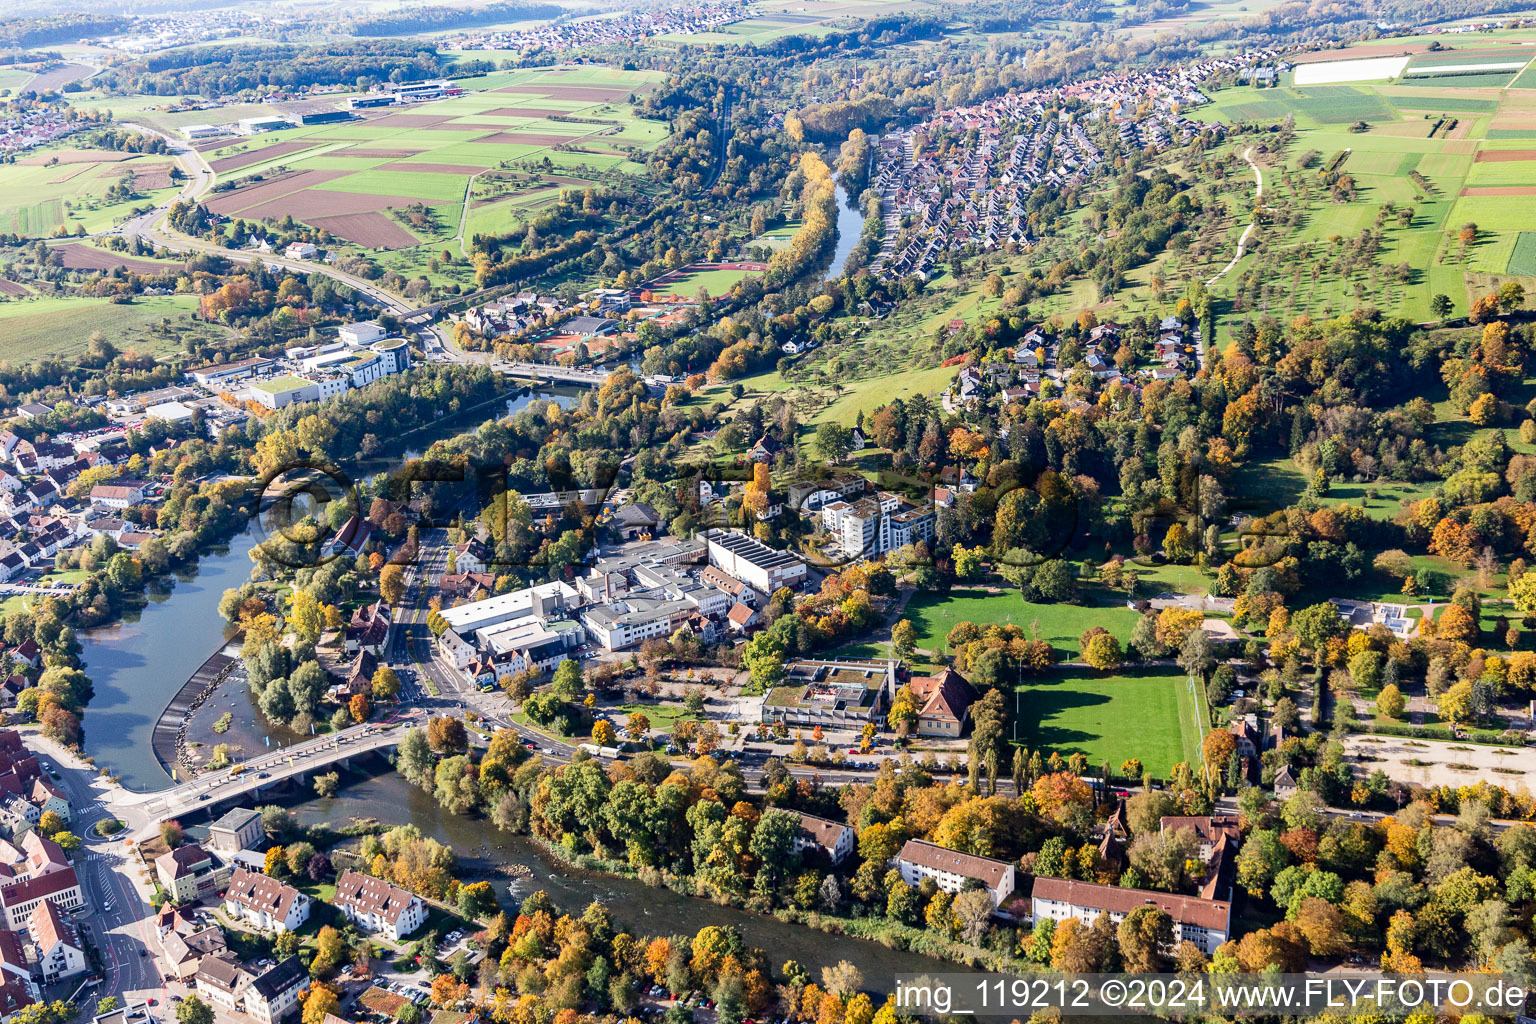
{"x":137,"y":665}
{"x":850,"y":224}
{"x":640,"y":909}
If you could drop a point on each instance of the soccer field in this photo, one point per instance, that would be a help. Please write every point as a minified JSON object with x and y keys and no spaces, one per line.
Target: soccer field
{"x":1149,"y":715}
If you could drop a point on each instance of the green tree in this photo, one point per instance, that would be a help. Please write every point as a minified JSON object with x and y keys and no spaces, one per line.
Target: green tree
{"x":192,"y":1010}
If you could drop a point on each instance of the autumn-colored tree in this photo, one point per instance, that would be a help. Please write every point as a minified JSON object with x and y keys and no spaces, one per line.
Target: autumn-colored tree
{"x":1061,"y":796}
{"x":1174,"y":625}
{"x":392,"y":584}
{"x":1103,"y":652}
{"x":320,"y":1002}
{"x":446,"y":735}
{"x":1217,"y":749}
{"x":1389,"y":702}
{"x":603,"y":733}
{"x":448,"y":991}
{"x":1456,"y":624}
{"x":359,"y":708}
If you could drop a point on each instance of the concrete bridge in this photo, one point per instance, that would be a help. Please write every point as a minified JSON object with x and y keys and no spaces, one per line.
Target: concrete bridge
{"x":271,"y":767}
{"x":581,"y":376}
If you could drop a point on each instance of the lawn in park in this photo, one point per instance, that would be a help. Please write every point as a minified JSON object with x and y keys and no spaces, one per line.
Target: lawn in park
{"x":1149,"y":715}
{"x":934,"y":614}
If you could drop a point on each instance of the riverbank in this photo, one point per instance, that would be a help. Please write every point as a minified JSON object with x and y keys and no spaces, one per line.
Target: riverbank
{"x":487,"y":852}
{"x":885,"y":932}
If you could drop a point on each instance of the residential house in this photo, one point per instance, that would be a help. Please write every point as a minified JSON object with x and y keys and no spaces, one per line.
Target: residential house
{"x":185,"y":952}
{"x":189,"y":873}
{"x":15,"y":969}
{"x":274,"y":993}
{"x":369,"y":628}
{"x":943,"y":703}
{"x":832,"y":839}
{"x":265,"y":902}
{"x":60,"y":954}
{"x":952,"y":870}
{"x":377,"y":906}
{"x":742,"y":617}
{"x":220,"y":981}
{"x":765,"y":448}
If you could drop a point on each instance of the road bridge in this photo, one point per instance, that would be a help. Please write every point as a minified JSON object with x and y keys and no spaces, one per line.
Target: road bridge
{"x":581,"y":376}
{"x":270,"y":768}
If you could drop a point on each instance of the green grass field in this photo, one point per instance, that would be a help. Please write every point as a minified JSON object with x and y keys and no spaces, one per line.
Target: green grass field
{"x":716,"y":282}
{"x":34,"y":328}
{"x":1149,"y":715}
{"x":935,"y":614}
{"x":36,"y":199}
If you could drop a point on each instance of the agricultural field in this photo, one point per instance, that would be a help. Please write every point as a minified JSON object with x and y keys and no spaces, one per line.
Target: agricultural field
{"x":64,"y":188}
{"x":1429,"y":149}
{"x":37,"y":327}
{"x":483,"y":162}
{"x":1150,"y":715}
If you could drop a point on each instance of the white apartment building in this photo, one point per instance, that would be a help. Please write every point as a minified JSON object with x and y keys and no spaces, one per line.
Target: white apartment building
{"x":376,"y":906}
{"x":873,"y":526}
{"x":60,"y":953}
{"x":1206,"y":923}
{"x":265,"y":902}
{"x":952,"y":870}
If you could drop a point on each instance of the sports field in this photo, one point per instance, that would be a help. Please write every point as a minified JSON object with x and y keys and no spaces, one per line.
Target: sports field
{"x":935,"y":614}
{"x":716,"y":279}
{"x":1149,"y":715}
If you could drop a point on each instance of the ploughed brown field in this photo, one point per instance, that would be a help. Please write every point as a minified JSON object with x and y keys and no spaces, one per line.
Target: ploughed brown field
{"x":78,"y":256}
{"x":11,"y":288}
{"x":525,"y":112}
{"x":230,"y":203}
{"x":58,"y":77}
{"x":1504,"y":156}
{"x":375,"y":230}
{"x":1499,"y":190}
{"x":257,"y":156}
{"x":530,"y":139}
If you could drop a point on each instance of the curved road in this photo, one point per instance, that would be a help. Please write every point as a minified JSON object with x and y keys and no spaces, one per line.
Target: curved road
{"x":1242,"y":242}
{"x":151,"y":227}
